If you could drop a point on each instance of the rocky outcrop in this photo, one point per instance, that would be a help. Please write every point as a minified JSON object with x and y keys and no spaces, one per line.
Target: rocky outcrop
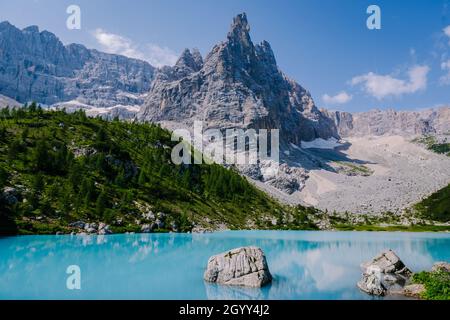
{"x":387,"y":262}
{"x":387,"y":274}
{"x":36,"y":65}
{"x":391,"y":122}
{"x":8,"y":102}
{"x":384,"y":273}
{"x":245,"y":266}
{"x":441,"y":267}
{"x":238,"y":85}
{"x":414,"y":290}
{"x":371,"y":282}
{"x":91,"y":228}
{"x":9,"y":195}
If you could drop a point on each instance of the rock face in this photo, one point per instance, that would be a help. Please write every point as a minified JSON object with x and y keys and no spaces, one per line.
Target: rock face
{"x":371,"y":282}
{"x":386,"y":272}
{"x":37,"y":66}
{"x":441,"y":267}
{"x":388,"y":262}
{"x":414,"y":290}
{"x":238,"y":85}
{"x":245,"y":266}
{"x":8,"y":102}
{"x":391,"y":122}
{"x":10,"y":195}
{"x":91,"y":228}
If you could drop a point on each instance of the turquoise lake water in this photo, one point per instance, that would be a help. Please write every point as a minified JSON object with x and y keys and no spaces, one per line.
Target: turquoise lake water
{"x":305,"y":265}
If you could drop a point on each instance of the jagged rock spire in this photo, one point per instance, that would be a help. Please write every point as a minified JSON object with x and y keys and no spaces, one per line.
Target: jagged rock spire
{"x":240,"y":30}
{"x":190,"y":59}
{"x":197,"y":56}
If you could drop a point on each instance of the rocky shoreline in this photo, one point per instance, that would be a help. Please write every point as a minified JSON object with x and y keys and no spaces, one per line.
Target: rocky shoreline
{"x":387,"y":275}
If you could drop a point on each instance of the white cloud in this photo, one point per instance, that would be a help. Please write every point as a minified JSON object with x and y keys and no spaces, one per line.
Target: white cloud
{"x":340,"y":98}
{"x":381,"y":86}
{"x":447,"y":31}
{"x":117,"y":44}
{"x":445,"y":79}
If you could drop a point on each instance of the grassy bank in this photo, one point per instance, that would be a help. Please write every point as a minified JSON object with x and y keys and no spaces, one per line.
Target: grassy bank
{"x":393,"y":228}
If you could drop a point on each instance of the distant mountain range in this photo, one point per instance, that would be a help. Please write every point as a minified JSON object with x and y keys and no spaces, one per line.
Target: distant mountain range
{"x":36,"y":66}
{"x":238,"y":84}
{"x":391,"y":122}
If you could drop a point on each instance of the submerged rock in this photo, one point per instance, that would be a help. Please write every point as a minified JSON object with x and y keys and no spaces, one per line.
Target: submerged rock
{"x":246,"y":266}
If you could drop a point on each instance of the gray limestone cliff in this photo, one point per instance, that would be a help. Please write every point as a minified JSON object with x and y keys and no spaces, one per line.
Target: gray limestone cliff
{"x":36,"y":66}
{"x":392,"y":122}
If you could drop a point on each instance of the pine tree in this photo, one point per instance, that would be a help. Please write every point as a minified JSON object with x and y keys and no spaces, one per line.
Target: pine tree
{"x":101,"y":203}
{"x":3,"y":177}
{"x":25,"y":134}
{"x":87,"y":191}
{"x":32,"y":108}
{"x":40,"y":158}
{"x":186,"y":179}
{"x":14,"y":149}
{"x":38,"y":183}
{"x":120,"y":178}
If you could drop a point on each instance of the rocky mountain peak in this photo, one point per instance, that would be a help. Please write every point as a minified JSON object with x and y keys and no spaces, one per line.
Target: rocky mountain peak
{"x":190,"y":59}
{"x":240,"y":30}
{"x":5,"y":24}
{"x":197,"y":56}
{"x":31,"y":29}
{"x":266,"y":55}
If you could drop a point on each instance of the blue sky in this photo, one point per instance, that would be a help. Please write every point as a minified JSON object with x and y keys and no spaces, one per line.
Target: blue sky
{"x":323,"y":44}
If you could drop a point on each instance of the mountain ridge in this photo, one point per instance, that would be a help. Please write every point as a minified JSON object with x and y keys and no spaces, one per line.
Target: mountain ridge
{"x":36,"y":66}
{"x":433,"y":121}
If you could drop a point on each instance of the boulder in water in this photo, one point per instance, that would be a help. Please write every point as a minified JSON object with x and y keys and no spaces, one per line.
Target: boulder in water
{"x":246,"y":266}
{"x":384,"y":273}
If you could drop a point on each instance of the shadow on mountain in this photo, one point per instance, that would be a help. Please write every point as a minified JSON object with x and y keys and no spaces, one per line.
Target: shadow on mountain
{"x":320,"y":159}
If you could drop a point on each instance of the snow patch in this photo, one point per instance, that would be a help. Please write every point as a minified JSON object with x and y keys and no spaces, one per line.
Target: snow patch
{"x":321,"y":144}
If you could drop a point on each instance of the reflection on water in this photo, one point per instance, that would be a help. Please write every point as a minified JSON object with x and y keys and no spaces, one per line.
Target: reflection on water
{"x":305,"y":265}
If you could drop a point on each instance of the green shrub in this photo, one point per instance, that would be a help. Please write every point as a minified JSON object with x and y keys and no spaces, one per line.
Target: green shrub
{"x":437,"y":284}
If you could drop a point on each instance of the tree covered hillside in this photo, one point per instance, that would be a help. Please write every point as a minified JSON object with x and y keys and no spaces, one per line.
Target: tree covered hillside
{"x":57,"y":169}
{"x":436,"y":206}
